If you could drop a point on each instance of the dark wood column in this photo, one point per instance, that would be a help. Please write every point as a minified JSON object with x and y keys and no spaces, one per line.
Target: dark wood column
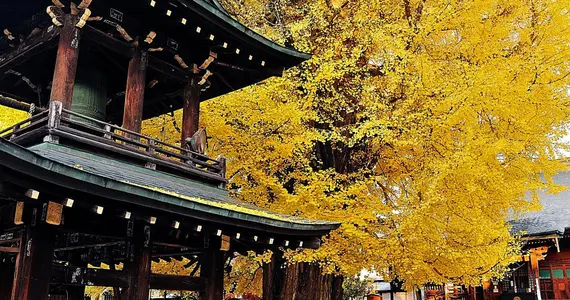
{"x":34,"y":263}
{"x":76,"y":292}
{"x":190,"y":111}
{"x":212,"y":269}
{"x":134,"y":97}
{"x":66,"y":62}
{"x":138,"y":265}
{"x":6,"y":276}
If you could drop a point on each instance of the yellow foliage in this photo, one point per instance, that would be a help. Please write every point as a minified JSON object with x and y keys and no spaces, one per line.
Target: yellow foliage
{"x":247,"y":274}
{"x":9,"y":116}
{"x":422,"y":126}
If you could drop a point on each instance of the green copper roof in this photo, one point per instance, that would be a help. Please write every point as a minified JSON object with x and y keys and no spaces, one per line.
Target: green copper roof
{"x":142,"y":183}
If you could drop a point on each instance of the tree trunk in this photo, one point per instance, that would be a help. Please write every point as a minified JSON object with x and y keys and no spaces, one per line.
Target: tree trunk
{"x":279,"y":279}
{"x":337,"y":290}
{"x":313,"y":285}
{"x":302,"y":281}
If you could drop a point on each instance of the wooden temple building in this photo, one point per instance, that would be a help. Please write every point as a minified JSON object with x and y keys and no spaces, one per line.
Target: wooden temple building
{"x":81,"y":186}
{"x":543,"y":271}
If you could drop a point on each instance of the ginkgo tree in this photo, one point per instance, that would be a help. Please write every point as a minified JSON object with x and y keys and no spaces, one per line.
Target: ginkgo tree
{"x":423,"y":126}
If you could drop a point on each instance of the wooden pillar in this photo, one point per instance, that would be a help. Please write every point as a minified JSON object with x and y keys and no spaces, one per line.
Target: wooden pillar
{"x":76,"y":292}
{"x":66,"y":62}
{"x":6,"y":276}
{"x":138,"y":264}
{"x":212,"y":269}
{"x":34,"y":263}
{"x":134,"y":94}
{"x":190,"y":111}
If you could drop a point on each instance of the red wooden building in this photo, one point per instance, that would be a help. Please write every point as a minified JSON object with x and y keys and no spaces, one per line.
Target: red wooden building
{"x":544,"y":270}
{"x":79,"y":184}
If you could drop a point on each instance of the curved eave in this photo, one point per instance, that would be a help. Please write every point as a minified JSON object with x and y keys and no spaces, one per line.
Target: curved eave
{"x":22,"y":160}
{"x":220,"y":7}
{"x":544,"y":235}
{"x":221,"y":19}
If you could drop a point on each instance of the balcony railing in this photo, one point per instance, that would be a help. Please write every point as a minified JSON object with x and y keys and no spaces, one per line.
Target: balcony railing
{"x":65,"y":126}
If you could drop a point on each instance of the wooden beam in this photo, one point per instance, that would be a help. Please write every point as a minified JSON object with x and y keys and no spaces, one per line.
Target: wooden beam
{"x":212,"y":270}
{"x":15,"y":104}
{"x":82,"y":276}
{"x":264,"y":71}
{"x":190,"y":111}
{"x":30,"y":47}
{"x":177,"y":283}
{"x":107,"y":41}
{"x":542,"y":237}
{"x":9,"y":249}
{"x":33,"y":268}
{"x":134,"y":95}
{"x":66,"y":63}
{"x":125,"y":49}
{"x":99,"y":245}
{"x":168,"y":69}
{"x":138,"y":263}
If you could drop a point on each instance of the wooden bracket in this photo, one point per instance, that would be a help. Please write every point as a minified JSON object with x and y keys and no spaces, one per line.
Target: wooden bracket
{"x":225,"y":243}
{"x":536,"y":255}
{"x":19,"y":213}
{"x":58,"y":3}
{"x":84,"y":4}
{"x":52,"y":213}
{"x":56,"y":14}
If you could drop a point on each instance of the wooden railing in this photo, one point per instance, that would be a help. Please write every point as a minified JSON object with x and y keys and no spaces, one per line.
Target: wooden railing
{"x":57,"y":123}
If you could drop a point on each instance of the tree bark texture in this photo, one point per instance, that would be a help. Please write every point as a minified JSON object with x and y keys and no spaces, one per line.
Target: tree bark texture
{"x":302,"y":281}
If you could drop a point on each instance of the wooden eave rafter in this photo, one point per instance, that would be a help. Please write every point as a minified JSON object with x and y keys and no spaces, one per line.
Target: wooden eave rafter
{"x":125,"y":49}
{"x":240,"y":32}
{"x":38,"y":43}
{"x":70,"y":275}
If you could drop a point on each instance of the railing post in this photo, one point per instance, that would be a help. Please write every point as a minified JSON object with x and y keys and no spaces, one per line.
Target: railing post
{"x":222,"y":161}
{"x":15,"y":131}
{"x":107,"y":134}
{"x":190,"y":155}
{"x":151,"y":151}
{"x":54,"y":119}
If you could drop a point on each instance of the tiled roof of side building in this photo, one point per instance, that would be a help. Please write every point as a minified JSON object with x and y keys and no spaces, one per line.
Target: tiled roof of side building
{"x":555,"y":215}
